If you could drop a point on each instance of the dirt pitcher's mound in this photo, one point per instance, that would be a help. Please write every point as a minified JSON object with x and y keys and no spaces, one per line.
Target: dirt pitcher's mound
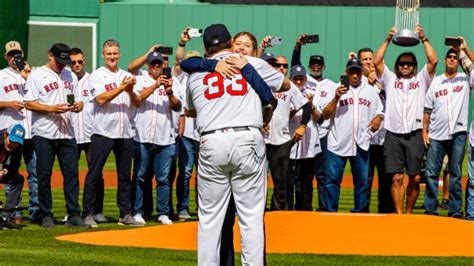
{"x":317,"y":233}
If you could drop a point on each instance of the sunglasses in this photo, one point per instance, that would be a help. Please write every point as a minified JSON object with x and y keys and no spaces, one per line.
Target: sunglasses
{"x":80,"y":62}
{"x":452,"y":57}
{"x":165,"y":58}
{"x":13,"y":53}
{"x":278,"y":65}
{"x":408,"y":64}
{"x":156,"y":63}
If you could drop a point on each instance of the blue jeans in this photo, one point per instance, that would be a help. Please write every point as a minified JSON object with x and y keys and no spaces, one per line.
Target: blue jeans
{"x":470,"y":185}
{"x":335,"y":165}
{"x":186,"y":151}
{"x":434,"y":161}
{"x":152,"y":159}
{"x":320,"y":173}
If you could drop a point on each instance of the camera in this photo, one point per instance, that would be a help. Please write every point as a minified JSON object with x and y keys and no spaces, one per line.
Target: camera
{"x":70,"y":99}
{"x":345,"y":81}
{"x":167,"y":72}
{"x":275,"y":41}
{"x":193,"y":32}
{"x":311,"y":39}
{"x":19,"y":62}
{"x":165,"y":50}
{"x":452,"y":41}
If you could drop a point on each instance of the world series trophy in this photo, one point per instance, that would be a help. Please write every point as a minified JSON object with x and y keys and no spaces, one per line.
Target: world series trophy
{"x":406,"y":19}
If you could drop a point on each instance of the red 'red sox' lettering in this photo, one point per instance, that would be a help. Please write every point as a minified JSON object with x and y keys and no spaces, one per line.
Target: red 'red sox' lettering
{"x":280,"y":95}
{"x":10,"y":87}
{"x":110,"y":86}
{"x":51,"y":87}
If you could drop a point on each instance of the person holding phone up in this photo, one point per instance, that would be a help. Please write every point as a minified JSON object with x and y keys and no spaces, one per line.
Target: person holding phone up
{"x":355,"y":113}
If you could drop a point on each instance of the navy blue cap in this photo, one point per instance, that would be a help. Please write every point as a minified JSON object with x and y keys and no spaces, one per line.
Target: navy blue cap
{"x":215,"y":34}
{"x":268,"y":57}
{"x":354,"y":63}
{"x":154,"y":56}
{"x":316,"y":59}
{"x":297,"y":70}
{"x":61,"y":53}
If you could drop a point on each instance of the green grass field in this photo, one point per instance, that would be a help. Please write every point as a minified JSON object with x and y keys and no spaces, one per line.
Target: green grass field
{"x":34,"y":245}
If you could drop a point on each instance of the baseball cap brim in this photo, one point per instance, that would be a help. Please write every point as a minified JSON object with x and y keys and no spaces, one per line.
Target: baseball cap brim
{"x":62,"y":60}
{"x":14,"y":138}
{"x":354,"y":67}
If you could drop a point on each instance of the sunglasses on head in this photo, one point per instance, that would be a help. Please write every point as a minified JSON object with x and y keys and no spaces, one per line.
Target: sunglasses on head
{"x":80,"y":62}
{"x":408,"y":64}
{"x":278,"y":65}
{"x":13,"y":53}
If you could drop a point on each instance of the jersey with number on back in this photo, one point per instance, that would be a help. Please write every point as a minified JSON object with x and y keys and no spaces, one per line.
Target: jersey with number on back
{"x":223,"y":103}
{"x":82,"y":121}
{"x":155,"y":122}
{"x":405,"y":100}
{"x":115,"y":118}
{"x":279,"y":131}
{"x":350,"y":126}
{"x":449,"y":101}
{"x":12,"y":88}
{"x":50,"y":88}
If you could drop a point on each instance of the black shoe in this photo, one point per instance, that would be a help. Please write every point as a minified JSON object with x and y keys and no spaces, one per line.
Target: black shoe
{"x":47,"y":222}
{"x":444,"y":205}
{"x":10,"y":224}
{"x":77,"y":222}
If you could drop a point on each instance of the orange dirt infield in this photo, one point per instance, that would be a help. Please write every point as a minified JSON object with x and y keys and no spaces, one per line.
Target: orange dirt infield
{"x":110,"y":178}
{"x":317,"y":233}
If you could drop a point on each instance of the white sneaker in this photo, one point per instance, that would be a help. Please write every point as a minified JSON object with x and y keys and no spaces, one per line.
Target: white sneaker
{"x":65,"y":219}
{"x":139,"y":219}
{"x":164,"y":219}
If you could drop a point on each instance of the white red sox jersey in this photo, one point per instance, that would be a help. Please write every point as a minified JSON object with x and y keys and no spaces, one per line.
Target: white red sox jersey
{"x":471,"y":131}
{"x":12,"y":88}
{"x":350,"y":125}
{"x":324,"y":94}
{"x":449,"y":101}
{"x":82,"y":121}
{"x":279,"y":131}
{"x":190,"y":130}
{"x":379,"y":136}
{"x":50,"y":88}
{"x":223,"y":103}
{"x":405,"y":100}
{"x":114,"y":119}
{"x":309,"y":145}
{"x":155,"y":122}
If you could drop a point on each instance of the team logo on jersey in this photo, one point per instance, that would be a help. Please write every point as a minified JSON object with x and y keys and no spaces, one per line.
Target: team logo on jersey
{"x":350,"y":101}
{"x":111,"y":86}
{"x":280,"y":95}
{"x":51,"y":86}
{"x":10,"y":88}
{"x":444,"y":92}
{"x":411,"y":85}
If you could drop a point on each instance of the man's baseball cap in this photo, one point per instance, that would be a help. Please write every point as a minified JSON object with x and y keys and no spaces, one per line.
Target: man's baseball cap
{"x":16,"y":133}
{"x":61,"y":53}
{"x":268,"y":57}
{"x":354,"y":63}
{"x":297,"y":70}
{"x":316,"y":59}
{"x":451,"y":51}
{"x":191,"y":54}
{"x":12,"y":46}
{"x":215,"y":34}
{"x":154,"y":56}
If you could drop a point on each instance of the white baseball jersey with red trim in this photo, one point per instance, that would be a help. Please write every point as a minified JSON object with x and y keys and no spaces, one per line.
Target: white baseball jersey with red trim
{"x":449,"y":101}
{"x":82,"y":121}
{"x":309,"y":145}
{"x":471,"y":131}
{"x":115,"y":118}
{"x":12,"y":88}
{"x":350,"y":125}
{"x":405,"y":100}
{"x":223,"y":103}
{"x":155,"y":122}
{"x":324,"y":90}
{"x":190,"y":130}
{"x":279,"y":131}
{"x":50,"y":88}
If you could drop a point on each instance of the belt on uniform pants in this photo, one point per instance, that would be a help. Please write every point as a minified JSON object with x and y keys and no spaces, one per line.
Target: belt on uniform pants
{"x":235,"y":129}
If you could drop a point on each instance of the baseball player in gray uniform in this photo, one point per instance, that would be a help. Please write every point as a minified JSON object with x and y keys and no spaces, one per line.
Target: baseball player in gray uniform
{"x":232,"y":150}
{"x":445,"y":132}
